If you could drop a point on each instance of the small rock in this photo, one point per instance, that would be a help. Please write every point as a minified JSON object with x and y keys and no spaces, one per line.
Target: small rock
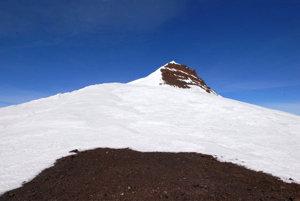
{"x":202,"y":193}
{"x":196,"y":185}
{"x":11,"y":194}
{"x":282,"y":187}
{"x":74,"y":151}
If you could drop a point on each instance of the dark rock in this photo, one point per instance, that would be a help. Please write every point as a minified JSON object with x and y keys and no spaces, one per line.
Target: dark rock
{"x":181,"y":76}
{"x":11,"y":194}
{"x":74,"y":151}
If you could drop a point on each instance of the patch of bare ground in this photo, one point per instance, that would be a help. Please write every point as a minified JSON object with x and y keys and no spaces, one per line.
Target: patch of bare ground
{"x":124,"y":174}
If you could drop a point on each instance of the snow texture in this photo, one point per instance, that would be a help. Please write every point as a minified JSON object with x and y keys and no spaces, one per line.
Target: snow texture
{"x":145,"y":118}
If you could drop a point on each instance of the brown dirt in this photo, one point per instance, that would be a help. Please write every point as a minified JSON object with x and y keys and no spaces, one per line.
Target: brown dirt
{"x":123,"y":174}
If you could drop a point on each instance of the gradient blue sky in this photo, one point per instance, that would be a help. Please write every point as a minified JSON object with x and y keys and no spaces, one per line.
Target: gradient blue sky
{"x":248,"y":50}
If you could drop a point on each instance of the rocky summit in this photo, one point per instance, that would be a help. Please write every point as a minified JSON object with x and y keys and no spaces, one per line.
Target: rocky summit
{"x":176,"y":75}
{"x":181,"y":76}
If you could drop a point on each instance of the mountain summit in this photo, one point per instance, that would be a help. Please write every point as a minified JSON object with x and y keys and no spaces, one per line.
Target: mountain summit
{"x":177,"y":75}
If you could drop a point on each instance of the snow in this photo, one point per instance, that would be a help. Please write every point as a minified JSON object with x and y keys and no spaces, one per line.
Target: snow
{"x":145,"y":118}
{"x":154,"y":79}
{"x":174,"y":62}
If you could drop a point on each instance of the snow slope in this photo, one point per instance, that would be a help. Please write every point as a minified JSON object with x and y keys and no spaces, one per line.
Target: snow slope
{"x":154,"y":79}
{"x":146,"y":118}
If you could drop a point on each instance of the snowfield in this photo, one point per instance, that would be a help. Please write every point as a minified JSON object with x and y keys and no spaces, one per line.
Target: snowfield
{"x":145,"y":118}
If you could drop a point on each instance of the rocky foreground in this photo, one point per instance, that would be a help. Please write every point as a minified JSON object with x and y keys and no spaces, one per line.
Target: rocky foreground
{"x":124,"y":174}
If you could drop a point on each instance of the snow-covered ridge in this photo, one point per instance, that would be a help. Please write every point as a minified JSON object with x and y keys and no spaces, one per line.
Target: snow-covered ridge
{"x":146,"y":118}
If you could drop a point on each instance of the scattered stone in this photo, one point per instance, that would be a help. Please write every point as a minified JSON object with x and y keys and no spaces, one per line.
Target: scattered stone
{"x":74,"y":151}
{"x":201,"y":193}
{"x":11,"y":194}
{"x":282,"y":187}
{"x":196,"y":185}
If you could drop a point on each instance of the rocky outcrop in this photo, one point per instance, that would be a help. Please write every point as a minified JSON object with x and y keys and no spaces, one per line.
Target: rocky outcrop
{"x":176,"y":75}
{"x":181,"y":76}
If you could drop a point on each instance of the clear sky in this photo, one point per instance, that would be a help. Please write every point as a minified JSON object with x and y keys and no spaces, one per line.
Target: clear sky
{"x":248,"y":50}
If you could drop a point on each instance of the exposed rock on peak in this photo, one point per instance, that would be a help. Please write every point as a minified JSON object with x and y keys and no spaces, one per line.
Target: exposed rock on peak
{"x":177,"y":75}
{"x":181,"y":76}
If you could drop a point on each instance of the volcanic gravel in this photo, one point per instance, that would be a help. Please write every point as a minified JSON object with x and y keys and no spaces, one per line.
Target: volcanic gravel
{"x":124,"y":174}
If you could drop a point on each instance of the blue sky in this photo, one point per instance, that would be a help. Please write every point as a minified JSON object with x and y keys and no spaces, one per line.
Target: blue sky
{"x":248,"y":50}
